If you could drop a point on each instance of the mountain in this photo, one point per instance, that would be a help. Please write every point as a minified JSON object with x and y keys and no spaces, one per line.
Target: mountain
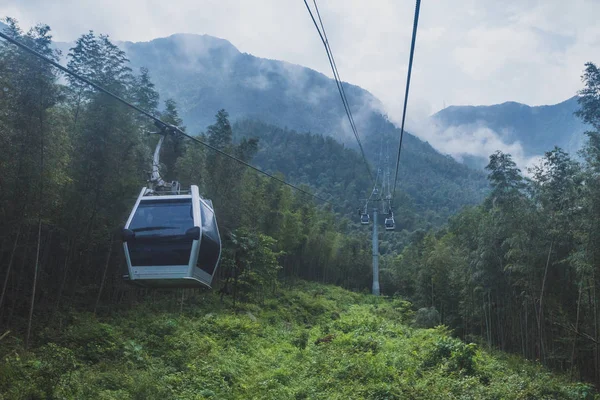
{"x":537,"y":129}
{"x":434,"y":188}
{"x":204,"y":74}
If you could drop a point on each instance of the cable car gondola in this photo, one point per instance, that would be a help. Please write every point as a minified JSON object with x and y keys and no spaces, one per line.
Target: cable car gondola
{"x":390,"y":224}
{"x":171,"y":238}
{"x":172,"y":241}
{"x":364,"y":219}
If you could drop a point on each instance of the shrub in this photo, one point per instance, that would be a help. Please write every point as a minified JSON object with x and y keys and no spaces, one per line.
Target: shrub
{"x":427,"y":318}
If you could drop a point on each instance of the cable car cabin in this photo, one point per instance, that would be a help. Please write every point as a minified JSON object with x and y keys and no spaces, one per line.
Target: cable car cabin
{"x":390,"y":225}
{"x":172,"y":241}
{"x":364,"y":219}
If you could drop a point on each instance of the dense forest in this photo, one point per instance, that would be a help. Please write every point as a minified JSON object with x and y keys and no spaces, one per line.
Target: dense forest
{"x":516,"y":272}
{"x":74,"y":160}
{"x":431,"y":187}
{"x":520,"y":270}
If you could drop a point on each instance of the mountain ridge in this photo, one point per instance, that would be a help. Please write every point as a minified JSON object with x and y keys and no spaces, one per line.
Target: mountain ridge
{"x":536,"y":129}
{"x":248,"y":86}
{"x":204,"y":74}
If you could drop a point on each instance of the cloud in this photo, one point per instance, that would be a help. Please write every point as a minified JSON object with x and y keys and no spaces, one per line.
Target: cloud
{"x":468,"y":51}
{"x":472,"y":140}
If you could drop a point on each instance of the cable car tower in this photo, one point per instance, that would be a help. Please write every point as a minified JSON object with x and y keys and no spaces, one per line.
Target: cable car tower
{"x":171,"y":238}
{"x":382,"y":196}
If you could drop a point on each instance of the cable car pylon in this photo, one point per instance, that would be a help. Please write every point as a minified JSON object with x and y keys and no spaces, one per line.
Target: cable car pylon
{"x":377,"y":195}
{"x":375,"y":289}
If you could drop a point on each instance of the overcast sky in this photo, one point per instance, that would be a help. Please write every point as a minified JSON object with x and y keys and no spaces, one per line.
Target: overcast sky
{"x":468,"y":51}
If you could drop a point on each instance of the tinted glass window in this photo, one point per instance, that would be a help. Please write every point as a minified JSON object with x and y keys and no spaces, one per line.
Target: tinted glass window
{"x":210,"y":246}
{"x":159,"y":227}
{"x":162,"y":218}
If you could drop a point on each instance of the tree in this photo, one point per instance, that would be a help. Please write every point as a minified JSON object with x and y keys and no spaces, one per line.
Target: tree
{"x":504,"y":177}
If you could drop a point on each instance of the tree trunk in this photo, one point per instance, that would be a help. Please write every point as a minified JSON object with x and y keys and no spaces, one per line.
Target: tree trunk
{"x":596,"y":361}
{"x":20,"y":276}
{"x":10,"y":263}
{"x":40,"y":212}
{"x":541,"y":310}
{"x":35,"y":276}
{"x":65,"y":271}
{"x":110,"y":248}
{"x":576,"y":332}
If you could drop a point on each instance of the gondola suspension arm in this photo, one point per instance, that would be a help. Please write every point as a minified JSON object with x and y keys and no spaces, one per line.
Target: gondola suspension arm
{"x":156,"y":182}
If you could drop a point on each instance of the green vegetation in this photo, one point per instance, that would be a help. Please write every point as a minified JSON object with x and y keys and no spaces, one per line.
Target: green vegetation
{"x":431,"y":187}
{"x":74,"y":162}
{"x":308,"y":342}
{"x":521,"y":269}
{"x":204,"y":74}
{"x":518,"y":271}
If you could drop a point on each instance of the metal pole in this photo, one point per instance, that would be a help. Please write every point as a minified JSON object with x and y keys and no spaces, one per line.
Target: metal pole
{"x":375,"y":255}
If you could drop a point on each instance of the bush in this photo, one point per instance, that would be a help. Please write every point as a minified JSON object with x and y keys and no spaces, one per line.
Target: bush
{"x":454,"y":355}
{"x":301,"y":340}
{"x":427,"y":318}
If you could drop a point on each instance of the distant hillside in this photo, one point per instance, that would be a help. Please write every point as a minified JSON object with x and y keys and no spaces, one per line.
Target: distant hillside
{"x":433,"y":186}
{"x":204,"y":74}
{"x":538,"y":129}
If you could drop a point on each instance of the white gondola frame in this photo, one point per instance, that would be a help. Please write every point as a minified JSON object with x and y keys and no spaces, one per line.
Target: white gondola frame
{"x":153,"y":275}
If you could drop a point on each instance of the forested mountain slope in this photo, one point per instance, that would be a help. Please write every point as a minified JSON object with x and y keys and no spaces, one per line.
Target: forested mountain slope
{"x":521,"y":269}
{"x":204,"y":74}
{"x":307,"y":342}
{"x":431,"y":187}
{"x":538,"y":129}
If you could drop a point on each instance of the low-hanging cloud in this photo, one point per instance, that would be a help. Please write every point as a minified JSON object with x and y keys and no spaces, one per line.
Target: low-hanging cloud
{"x":472,"y":140}
{"x":468,"y":52}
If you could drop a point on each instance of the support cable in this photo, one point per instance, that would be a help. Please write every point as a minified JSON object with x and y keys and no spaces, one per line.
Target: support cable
{"x":164,"y":125}
{"x":340,"y":87}
{"x":410,"y":63}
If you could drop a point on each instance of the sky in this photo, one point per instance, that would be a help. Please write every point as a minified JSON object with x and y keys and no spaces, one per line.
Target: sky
{"x":476,"y":52}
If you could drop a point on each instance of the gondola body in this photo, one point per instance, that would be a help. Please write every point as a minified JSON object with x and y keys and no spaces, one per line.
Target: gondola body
{"x":390,"y":224}
{"x":172,"y":240}
{"x":364,"y":219}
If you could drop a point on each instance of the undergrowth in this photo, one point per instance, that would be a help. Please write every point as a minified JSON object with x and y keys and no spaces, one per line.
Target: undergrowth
{"x":310,"y":342}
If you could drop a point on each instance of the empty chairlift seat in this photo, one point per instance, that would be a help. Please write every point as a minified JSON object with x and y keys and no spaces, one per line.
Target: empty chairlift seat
{"x":172,"y":241}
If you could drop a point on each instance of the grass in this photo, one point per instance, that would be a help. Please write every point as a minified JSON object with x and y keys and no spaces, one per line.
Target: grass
{"x":310,"y":342}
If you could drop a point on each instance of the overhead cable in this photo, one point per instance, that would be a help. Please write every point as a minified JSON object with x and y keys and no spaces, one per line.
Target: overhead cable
{"x":410,"y":63}
{"x":338,"y":82}
{"x":152,"y":117}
